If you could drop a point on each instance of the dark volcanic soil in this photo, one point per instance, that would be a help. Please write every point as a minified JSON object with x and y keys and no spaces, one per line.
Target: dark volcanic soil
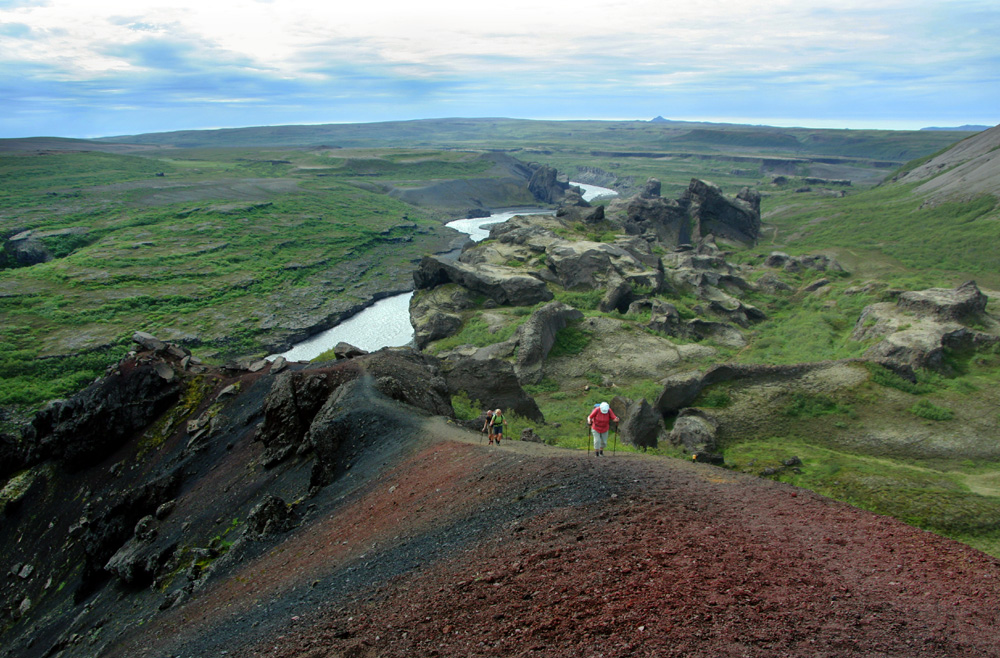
{"x":462,"y":549}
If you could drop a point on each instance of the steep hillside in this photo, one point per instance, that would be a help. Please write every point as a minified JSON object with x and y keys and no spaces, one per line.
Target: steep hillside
{"x":967,"y":170}
{"x":362,"y":526}
{"x":936,"y":219}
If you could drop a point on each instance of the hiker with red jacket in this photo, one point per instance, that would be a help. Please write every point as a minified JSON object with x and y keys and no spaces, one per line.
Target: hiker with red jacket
{"x":600,"y":421}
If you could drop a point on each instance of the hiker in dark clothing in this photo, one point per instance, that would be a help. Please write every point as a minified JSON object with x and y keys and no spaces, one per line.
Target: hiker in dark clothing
{"x":488,"y":425}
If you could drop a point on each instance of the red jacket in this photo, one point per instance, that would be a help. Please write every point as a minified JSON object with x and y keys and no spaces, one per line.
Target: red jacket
{"x":601,"y":422}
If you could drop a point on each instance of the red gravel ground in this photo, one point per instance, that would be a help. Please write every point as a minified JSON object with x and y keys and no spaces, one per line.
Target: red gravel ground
{"x":526,"y":550}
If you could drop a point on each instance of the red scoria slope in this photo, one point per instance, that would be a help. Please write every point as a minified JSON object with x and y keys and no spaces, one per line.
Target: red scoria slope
{"x":524,"y":550}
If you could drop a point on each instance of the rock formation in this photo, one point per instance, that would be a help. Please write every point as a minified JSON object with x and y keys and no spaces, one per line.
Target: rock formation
{"x":700,"y":212}
{"x":920,"y":326}
{"x":504,"y":285}
{"x":537,"y":336}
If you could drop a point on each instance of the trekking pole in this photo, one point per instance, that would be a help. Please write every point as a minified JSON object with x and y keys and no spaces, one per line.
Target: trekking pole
{"x":615,"y":449}
{"x":587,"y":440}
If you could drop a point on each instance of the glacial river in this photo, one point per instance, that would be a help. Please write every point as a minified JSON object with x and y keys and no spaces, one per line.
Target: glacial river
{"x":386,"y":323}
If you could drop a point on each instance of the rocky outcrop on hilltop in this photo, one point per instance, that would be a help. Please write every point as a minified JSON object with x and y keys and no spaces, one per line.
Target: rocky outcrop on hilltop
{"x":536,"y":337}
{"x":921,"y":326}
{"x":701,"y":211}
{"x":529,"y":258}
{"x":502,"y":285}
{"x":546,"y":187}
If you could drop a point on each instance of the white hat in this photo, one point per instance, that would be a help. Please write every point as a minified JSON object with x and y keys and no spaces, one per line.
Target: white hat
{"x":604,"y":407}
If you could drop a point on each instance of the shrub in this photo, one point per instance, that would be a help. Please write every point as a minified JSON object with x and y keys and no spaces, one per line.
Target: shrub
{"x":807,"y":405}
{"x":569,"y":341}
{"x":885,"y":377}
{"x":930,"y":411}
{"x":464,"y":408}
{"x":585,"y":300}
{"x":716,"y":399}
{"x":547,"y":385}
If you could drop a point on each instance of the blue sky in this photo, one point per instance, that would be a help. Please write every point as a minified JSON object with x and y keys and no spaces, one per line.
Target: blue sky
{"x":88,"y":68}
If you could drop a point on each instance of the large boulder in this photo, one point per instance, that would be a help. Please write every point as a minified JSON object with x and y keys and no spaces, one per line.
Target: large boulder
{"x":435,"y":313}
{"x":537,"y":336}
{"x":713,"y":213}
{"x":664,"y":220}
{"x":546,"y":187}
{"x":504,"y":285}
{"x":292,"y":403}
{"x":961,"y":304}
{"x":492,"y":383}
{"x":271,"y":516}
{"x":919,"y":328}
{"x":582,"y":212}
{"x":640,"y":424}
{"x":818,"y":262}
{"x":592,"y":264}
{"x":141,"y":558}
{"x":617,"y":297}
{"x":651,"y":190}
{"x":695,"y":431}
{"x":701,"y":211}
{"x":533,"y":231}
{"x":411,"y":377}
{"x":357,"y":422}
{"x":32,"y":247}
{"x":678,"y":392}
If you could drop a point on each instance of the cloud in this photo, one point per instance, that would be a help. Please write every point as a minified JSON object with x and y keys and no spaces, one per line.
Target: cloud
{"x":236,"y":63}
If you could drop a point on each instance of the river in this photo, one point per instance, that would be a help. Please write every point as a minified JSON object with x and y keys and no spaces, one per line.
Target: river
{"x":386,"y":323}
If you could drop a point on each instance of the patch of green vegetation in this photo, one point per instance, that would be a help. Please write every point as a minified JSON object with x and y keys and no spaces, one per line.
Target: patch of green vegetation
{"x":546,"y":385}
{"x":930,"y":411}
{"x":31,"y":177}
{"x":569,"y":341}
{"x":477,"y":332}
{"x":28,"y":381}
{"x":194,"y":392}
{"x":801,"y":330}
{"x":894,"y":221}
{"x":465,"y":408}
{"x":584,"y":300}
{"x":935,"y":500}
{"x":885,"y":377}
{"x":713,"y":398}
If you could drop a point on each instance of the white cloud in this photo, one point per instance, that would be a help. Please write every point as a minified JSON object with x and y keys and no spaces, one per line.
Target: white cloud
{"x":446,"y":50}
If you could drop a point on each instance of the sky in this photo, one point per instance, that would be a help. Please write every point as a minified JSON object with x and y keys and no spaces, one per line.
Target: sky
{"x":90,"y":68}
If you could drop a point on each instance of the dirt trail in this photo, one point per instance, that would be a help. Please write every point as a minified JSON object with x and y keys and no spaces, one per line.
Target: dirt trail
{"x":531,"y":550}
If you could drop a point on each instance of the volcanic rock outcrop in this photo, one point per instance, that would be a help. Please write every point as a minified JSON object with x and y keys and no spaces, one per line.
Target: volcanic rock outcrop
{"x":701,"y":211}
{"x":921,"y":326}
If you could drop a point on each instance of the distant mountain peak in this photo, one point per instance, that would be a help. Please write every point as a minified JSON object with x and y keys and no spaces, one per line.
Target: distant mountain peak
{"x":659,"y":119}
